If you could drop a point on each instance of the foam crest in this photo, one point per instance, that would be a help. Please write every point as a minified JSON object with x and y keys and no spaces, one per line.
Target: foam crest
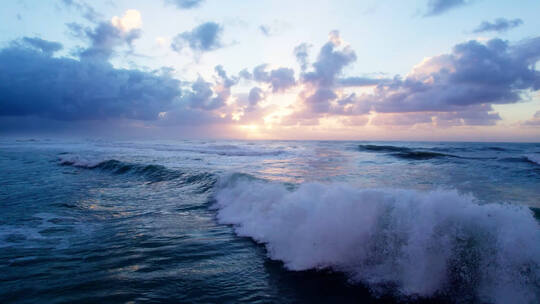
{"x":534,"y":158}
{"x":408,"y":242}
{"x":78,"y":161}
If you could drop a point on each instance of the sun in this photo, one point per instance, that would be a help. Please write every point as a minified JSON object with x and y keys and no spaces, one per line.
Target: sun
{"x":250,"y":128}
{"x":251,"y":131}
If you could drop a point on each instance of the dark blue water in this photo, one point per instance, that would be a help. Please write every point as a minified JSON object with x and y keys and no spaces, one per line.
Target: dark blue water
{"x":260,"y":222}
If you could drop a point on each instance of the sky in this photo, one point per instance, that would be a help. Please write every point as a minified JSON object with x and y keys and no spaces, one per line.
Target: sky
{"x":465,"y":70}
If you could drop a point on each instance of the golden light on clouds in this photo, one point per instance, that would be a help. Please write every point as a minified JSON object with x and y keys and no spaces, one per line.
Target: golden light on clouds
{"x":131,"y":20}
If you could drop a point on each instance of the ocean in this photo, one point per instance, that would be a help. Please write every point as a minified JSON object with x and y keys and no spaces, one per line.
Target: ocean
{"x":215,"y":221}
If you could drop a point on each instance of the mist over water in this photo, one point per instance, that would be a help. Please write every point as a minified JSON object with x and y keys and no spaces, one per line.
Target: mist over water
{"x":269,"y":221}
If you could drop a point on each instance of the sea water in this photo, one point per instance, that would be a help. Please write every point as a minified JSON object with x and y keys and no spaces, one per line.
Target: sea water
{"x":206,"y":221}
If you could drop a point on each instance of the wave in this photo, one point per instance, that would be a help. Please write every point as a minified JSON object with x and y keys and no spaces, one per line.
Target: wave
{"x":529,"y":159}
{"x":222,"y":150}
{"x":499,"y":149}
{"x":421,"y":155}
{"x":151,"y":172}
{"x":377,"y":148}
{"x":67,"y":159}
{"x":533,"y":158}
{"x":406,"y":153}
{"x":230,"y":151}
{"x":403,"y":241}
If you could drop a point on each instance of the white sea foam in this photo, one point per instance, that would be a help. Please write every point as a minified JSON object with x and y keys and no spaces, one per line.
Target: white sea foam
{"x":535,"y":158}
{"x":79,"y":161}
{"x":421,"y":243}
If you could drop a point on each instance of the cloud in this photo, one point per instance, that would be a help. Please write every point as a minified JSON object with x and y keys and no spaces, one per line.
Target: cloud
{"x":265,"y":30}
{"x":131,"y":20}
{"x":401,"y":119}
{"x":185,"y":4}
{"x":33,"y":83}
{"x":499,"y":25}
{"x":360,"y":81}
{"x":330,"y":62}
{"x":181,"y":116}
{"x":208,"y":96}
{"x":47,"y":47}
{"x":245,"y":74}
{"x":276,"y":27}
{"x":203,"y":38}
{"x":321,"y":94}
{"x":105,"y":37}
{"x":280,"y":79}
{"x":464,"y":84}
{"x":319,"y":101}
{"x":459,"y":88}
{"x":534,"y":121}
{"x":87,"y":11}
{"x":301,"y":52}
{"x":438,"y":7}
{"x":256,"y":94}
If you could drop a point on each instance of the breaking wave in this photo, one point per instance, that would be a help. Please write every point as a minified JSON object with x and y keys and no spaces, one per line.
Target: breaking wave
{"x":411,"y":243}
{"x":529,"y":158}
{"x":533,"y":158}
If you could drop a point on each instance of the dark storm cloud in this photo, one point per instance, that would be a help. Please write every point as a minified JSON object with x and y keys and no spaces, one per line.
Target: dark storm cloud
{"x":185,"y":4}
{"x":437,"y":7}
{"x":280,"y":79}
{"x":499,"y":25}
{"x":203,"y":38}
{"x":33,"y":83}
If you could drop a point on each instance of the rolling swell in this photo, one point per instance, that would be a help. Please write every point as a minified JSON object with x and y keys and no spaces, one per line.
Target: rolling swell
{"x":405,"y":153}
{"x":404,"y":242}
{"x":529,"y":159}
{"x":152,"y":173}
{"x":377,"y":148}
{"x":421,"y":155}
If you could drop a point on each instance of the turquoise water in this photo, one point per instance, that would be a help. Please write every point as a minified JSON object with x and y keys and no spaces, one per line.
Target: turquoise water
{"x":268,"y":221}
